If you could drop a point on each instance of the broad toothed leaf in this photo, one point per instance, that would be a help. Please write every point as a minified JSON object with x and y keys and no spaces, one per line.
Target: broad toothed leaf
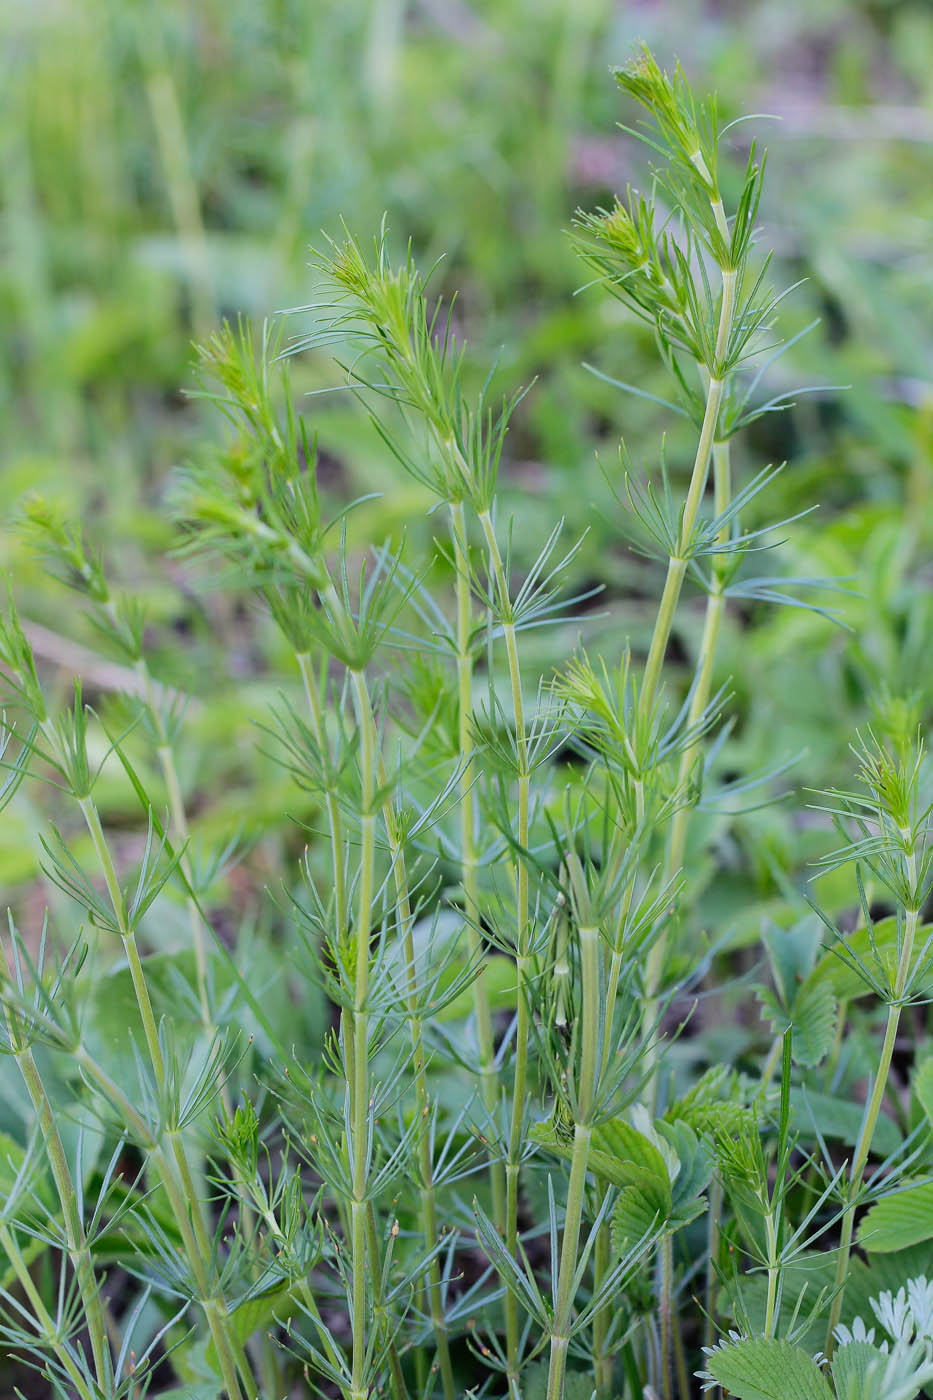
{"x":763,"y":1368}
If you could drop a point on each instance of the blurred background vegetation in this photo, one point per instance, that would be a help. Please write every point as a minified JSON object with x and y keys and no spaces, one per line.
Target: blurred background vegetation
{"x":163,"y":166}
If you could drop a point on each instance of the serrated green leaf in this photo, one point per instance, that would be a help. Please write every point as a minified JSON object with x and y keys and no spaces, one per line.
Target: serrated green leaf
{"x":898,"y":1221}
{"x":634,"y":1217}
{"x":792,"y":954}
{"x":696,"y":1163}
{"x":764,"y":1368}
{"x":814,"y":1022}
{"x":619,"y":1154}
{"x":851,"y":1365}
{"x":923,"y":1086}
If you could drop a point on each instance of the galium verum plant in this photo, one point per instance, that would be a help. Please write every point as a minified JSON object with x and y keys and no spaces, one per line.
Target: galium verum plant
{"x":487,"y":1171}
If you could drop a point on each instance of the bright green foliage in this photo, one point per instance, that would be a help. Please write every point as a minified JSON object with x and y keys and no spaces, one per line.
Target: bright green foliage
{"x":433,"y":1116}
{"x":765,"y":1369}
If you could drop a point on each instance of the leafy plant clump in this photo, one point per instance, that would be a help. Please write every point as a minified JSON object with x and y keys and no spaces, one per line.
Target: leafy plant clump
{"x":456,"y":1119}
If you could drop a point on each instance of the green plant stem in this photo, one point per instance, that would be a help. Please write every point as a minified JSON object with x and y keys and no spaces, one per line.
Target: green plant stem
{"x":179,"y":1183}
{"x":677,"y":565}
{"x":128,"y":938}
{"x":75,"y":1238}
{"x":416,"y":1028}
{"x":712,"y":622}
{"x":182,"y":835}
{"x":522,"y":1026}
{"x":676,"y":571}
{"x":331,"y":800}
{"x":489,"y":1078}
{"x":335,"y":822}
{"x":186,"y":1205}
{"x":774,"y":1273}
{"x":602,"y":1359}
{"x":665,"y":1310}
{"x":380,"y":1312}
{"x":711,"y":1289}
{"x":585,"y":1099}
{"x":48,"y":1331}
{"x":872,"y":1110}
{"x":359,"y":1083}
{"x":197,"y":1247}
{"x":616,"y":963}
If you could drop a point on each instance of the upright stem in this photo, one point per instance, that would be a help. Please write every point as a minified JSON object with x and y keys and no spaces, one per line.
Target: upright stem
{"x":182,"y":834}
{"x":602,"y":1359}
{"x":197,"y":1248}
{"x":331,"y":800}
{"x":677,"y":566}
{"x":49,"y":1331}
{"x":873,"y":1108}
{"x":359,"y":1085}
{"x":711,"y":1289}
{"x":468,"y":828}
{"x":585,"y":1098}
{"x":666,"y":1250}
{"x":75,"y":1238}
{"x":416,"y":1029}
{"x":185,"y":1202}
{"x":522,"y":1027}
{"x":715,"y":607}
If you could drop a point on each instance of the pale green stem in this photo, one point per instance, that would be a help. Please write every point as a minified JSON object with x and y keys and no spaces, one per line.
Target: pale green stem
{"x":677,"y":567}
{"x":665,"y":1310}
{"x":711,"y":1290}
{"x":75,"y":1238}
{"x":774,"y":1273}
{"x":187,"y":1217}
{"x":181,"y":832}
{"x":602,"y":1359}
{"x":873,"y":1108}
{"x":332,"y":803}
{"x":468,"y":823}
{"x":416,"y":1028}
{"x":522,"y":1027}
{"x":197,"y":1244}
{"x":48,"y":1331}
{"x":585,"y":1098}
{"x":359,"y":1105}
{"x":715,"y":607}
{"x":186,"y":1208}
